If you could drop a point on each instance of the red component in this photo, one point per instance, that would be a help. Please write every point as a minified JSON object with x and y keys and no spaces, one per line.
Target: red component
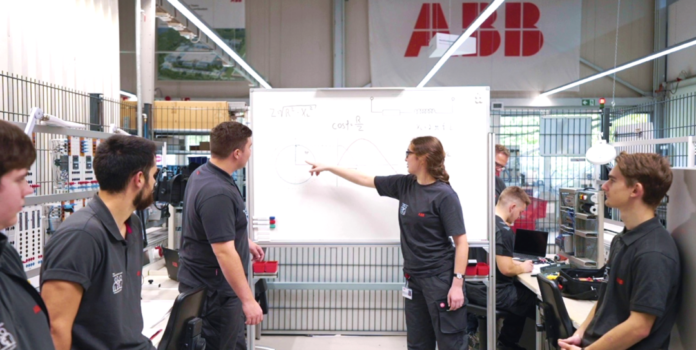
{"x":138,"y":273}
{"x":482,"y":269}
{"x":37,"y":309}
{"x":35,"y":186}
{"x":167,"y":98}
{"x":271,"y":267}
{"x":470,"y":270}
{"x":272,"y":222}
{"x":620,"y":281}
{"x":159,"y":251}
{"x":602,"y":101}
{"x":175,"y":264}
{"x":259,"y":267}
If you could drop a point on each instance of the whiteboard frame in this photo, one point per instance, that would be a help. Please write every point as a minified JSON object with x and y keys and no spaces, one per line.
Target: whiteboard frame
{"x":250,"y":182}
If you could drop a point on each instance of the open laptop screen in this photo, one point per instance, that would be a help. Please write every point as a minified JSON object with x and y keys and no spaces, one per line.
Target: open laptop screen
{"x":530,"y":242}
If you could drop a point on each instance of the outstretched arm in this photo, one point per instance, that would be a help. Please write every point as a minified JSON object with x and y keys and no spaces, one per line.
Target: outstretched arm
{"x":351,"y":175}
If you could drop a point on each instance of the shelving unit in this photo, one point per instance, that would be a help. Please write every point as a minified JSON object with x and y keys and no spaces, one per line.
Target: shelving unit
{"x":581,"y":235}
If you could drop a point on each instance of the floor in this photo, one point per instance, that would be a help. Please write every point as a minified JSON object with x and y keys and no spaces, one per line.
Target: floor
{"x":333,"y":342}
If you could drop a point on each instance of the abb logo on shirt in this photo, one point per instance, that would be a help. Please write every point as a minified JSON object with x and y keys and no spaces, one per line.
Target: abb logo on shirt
{"x":522,"y":37}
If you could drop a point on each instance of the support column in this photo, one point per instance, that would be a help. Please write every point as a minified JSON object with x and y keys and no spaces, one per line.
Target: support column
{"x":339,"y":36}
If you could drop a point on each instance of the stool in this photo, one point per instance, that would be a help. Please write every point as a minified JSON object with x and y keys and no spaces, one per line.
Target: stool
{"x":482,"y":312}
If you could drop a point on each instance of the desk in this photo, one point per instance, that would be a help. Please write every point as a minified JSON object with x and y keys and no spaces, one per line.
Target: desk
{"x":577,"y":309}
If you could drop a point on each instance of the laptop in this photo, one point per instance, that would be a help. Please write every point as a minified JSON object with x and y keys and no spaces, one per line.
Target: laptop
{"x":171,"y":261}
{"x":530,"y":245}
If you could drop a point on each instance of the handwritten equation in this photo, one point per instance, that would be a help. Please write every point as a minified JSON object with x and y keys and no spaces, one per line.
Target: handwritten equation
{"x":293,"y":111}
{"x":349,"y":125}
{"x":434,"y":127}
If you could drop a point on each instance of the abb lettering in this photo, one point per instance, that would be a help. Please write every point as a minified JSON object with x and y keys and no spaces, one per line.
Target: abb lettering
{"x":522,"y":37}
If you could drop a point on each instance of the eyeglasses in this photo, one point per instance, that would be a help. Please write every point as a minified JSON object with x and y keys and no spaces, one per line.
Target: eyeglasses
{"x":408,"y":151}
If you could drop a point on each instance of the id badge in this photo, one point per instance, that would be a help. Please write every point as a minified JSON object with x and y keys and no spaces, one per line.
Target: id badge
{"x":407,"y":292}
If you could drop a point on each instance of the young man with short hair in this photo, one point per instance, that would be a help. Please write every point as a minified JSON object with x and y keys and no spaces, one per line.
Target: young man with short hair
{"x":23,"y":316}
{"x":638,"y":306}
{"x":215,"y":244}
{"x":91,"y":275}
{"x":511,"y":295}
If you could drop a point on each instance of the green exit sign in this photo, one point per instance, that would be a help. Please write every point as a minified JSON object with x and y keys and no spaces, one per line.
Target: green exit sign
{"x":589,"y":102}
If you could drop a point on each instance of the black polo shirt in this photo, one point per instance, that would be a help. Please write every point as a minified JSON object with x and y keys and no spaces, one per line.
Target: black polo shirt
{"x":214,"y":212}
{"x":499,"y":188}
{"x":504,"y":245}
{"x":89,"y":250}
{"x":24,"y":320}
{"x":428,"y":216}
{"x":643,"y":275}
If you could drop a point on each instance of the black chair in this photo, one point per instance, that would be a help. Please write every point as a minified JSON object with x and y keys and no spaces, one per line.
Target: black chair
{"x":556,"y":322}
{"x":481,"y":312}
{"x":184,"y":327}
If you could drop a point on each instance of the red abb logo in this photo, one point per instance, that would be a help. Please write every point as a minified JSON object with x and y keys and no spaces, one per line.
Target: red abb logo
{"x":522,"y":37}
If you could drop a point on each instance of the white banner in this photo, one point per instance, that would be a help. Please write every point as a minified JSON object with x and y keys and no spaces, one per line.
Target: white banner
{"x":531,"y":45}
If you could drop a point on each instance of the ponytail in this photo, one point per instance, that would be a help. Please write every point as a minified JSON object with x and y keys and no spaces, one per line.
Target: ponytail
{"x":431,"y":148}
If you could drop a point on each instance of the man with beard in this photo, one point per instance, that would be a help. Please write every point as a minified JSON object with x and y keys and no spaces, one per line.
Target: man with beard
{"x":90,"y":277}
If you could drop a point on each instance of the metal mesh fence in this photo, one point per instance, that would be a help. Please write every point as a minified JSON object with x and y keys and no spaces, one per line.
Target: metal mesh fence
{"x":50,"y":174}
{"x":310,"y":302}
{"x":547,"y":150}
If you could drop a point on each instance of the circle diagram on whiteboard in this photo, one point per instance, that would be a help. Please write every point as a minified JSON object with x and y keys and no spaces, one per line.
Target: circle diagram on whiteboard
{"x":291,"y":166}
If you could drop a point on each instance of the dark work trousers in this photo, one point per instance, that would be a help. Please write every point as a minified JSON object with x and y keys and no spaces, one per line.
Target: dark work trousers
{"x":514,"y":298}
{"x":427,"y":318}
{"x":223,"y":321}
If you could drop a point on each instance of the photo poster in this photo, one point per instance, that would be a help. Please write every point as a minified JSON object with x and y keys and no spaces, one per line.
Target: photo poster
{"x":179,"y":58}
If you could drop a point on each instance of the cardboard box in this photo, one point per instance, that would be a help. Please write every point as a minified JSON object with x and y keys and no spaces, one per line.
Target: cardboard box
{"x":129,"y":111}
{"x":189,"y":115}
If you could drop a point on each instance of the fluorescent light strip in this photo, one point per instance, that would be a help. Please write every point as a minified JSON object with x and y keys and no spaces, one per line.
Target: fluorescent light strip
{"x":651,"y":57}
{"x":217,"y":40}
{"x":467,"y":33}
{"x":131,"y":96}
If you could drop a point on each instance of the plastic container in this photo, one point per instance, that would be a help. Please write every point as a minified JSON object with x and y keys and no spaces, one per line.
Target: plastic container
{"x":482,"y":269}
{"x":259,"y":267}
{"x":470,"y":270}
{"x":271,"y":267}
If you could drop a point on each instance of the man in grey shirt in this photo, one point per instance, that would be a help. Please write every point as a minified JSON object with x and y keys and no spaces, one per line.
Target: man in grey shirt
{"x":215,"y":246}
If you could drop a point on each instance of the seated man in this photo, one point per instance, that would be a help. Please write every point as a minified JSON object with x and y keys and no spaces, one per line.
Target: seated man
{"x":638,"y":306}
{"x":511,"y":296}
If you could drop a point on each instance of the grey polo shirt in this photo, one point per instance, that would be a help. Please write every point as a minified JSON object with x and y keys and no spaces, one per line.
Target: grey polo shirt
{"x":23,"y":317}
{"x":214,"y":212}
{"x":89,"y":250}
{"x":643,"y":275}
{"x":499,"y":188}
{"x":428,"y":216}
{"x":504,"y":246}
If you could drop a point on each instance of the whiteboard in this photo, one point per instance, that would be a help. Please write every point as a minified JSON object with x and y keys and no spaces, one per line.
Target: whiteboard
{"x":364,"y":129}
